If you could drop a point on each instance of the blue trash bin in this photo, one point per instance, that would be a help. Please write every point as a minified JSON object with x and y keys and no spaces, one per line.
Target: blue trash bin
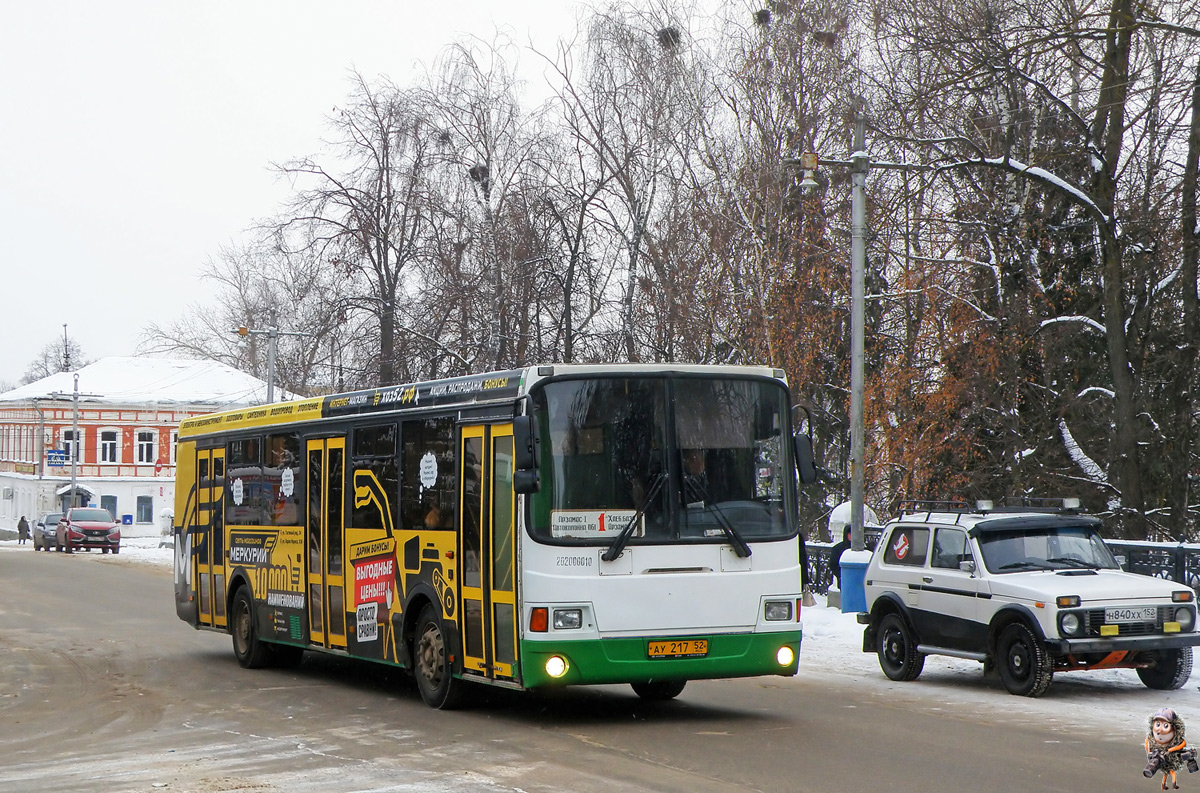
{"x":854,"y":573}
{"x":127,"y":520}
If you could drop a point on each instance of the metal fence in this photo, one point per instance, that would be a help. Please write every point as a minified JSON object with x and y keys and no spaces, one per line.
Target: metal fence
{"x":1172,"y":561}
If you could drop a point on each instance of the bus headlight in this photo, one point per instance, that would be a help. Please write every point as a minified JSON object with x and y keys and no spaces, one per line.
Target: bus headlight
{"x":777,"y":611}
{"x":556,"y":666}
{"x":785,"y":655}
{"x":568,"y":619}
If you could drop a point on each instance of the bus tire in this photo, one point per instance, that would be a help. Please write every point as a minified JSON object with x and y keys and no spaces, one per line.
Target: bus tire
{"x":431,"y":663}
{"x":659,"y":690}
{"x":251,"y":652}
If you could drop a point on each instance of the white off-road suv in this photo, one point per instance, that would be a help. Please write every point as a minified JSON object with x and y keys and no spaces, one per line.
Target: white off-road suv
{"x":1028,"y":591}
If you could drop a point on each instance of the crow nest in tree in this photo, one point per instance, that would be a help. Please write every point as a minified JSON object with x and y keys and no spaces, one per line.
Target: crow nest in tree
{"x":669,"y":37}
{"x":762,"y":18}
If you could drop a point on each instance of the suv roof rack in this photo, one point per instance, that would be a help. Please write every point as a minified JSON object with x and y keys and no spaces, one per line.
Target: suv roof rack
{"x":914,"y":507}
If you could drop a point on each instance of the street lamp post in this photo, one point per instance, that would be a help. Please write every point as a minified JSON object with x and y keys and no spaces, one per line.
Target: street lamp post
{"x":272,"y":333}
{"x":859,"y":164}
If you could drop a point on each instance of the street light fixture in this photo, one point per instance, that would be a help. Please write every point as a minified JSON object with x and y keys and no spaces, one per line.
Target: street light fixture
{"x":272,"y":333}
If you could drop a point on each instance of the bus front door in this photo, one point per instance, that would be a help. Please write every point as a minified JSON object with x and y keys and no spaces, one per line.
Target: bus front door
{"x":209,"y":543}
{"x":323,"y":542}
{"x":486,"y":550}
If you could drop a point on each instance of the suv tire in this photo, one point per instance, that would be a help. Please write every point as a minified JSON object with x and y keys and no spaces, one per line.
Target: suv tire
{"x":1022,"y":661}
{"x":1171,"y":669}
{"x":897,"y":650}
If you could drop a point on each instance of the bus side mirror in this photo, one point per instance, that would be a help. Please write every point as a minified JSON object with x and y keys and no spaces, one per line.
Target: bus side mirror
{"x":804,"y":459}
{"x":525,"y":455}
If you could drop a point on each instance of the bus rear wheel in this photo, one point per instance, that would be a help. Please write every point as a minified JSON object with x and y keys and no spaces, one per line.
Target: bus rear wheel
{"x":250,"y":651}
{"x":659,"y":690}
{"x":431,"y":663}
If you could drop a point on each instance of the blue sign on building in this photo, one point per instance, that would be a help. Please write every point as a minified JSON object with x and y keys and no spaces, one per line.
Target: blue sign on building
{"x":56,"y":457}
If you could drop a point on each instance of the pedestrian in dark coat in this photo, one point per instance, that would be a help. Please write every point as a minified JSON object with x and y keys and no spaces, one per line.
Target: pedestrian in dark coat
{"x":22,"y":530}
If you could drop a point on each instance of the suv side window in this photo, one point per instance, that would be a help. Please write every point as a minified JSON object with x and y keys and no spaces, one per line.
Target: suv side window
{"x":907,"y":545}
{"x":949,"y":548}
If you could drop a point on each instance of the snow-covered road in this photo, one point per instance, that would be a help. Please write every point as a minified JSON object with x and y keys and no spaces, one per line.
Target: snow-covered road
{"x":1113,"y":703}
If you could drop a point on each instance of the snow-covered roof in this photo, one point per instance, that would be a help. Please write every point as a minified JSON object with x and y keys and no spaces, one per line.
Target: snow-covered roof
{"x":141,"y":381}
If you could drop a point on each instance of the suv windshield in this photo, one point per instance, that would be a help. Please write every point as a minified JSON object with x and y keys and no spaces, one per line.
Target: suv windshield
{"x":685,"y":459}
{"x":1055,"y":548}
{"x":97,"y":515}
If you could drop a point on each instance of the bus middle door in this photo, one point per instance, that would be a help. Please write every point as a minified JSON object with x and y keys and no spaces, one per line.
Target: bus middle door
{"x":487,"y":553}
{"x":209,"y":543}
{"x":323,"y":542}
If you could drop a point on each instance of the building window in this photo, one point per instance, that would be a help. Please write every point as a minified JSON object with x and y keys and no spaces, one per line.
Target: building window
{"x":145,"y":447}
{"x":145,"y":509}
{"x":108,"y":446}
{"x":69,"y":444}
{"x":174,"y":444}
{"x":110,"y":503}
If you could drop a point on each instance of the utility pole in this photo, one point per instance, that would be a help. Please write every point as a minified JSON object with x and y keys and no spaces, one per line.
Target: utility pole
{"x":272,"y":333}
{"x":75,"y":444}
{"x":859,"y":164}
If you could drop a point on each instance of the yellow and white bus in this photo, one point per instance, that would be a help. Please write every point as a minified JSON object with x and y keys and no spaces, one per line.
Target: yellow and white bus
{"x":552,"y":525}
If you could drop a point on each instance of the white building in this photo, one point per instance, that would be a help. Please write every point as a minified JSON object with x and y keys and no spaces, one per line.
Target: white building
{"x":120,"y":434}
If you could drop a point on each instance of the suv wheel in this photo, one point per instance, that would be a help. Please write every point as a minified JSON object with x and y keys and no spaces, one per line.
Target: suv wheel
{"x":1171,"y":669}
{"x":1022,"y":661}
{"x":898,"y":656}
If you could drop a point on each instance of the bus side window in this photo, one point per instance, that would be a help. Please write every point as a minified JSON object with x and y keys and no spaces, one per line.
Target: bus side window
{"x":428,"y":477}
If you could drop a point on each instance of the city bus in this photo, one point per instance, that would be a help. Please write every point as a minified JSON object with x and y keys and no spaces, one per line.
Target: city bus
{"x":548,"y":526}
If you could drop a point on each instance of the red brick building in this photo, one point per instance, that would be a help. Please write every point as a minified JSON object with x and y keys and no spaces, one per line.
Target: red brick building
{"x":120,"y":433}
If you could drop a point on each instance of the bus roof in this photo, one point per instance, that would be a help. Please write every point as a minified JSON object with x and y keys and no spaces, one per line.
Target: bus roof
{"x":466,"y":391}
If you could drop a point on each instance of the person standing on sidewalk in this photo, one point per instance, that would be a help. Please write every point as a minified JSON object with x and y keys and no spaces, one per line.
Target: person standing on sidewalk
{"x":22,"y":531}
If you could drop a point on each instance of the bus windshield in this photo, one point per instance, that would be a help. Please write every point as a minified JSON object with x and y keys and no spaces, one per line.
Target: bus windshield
{"x":684,"y":459}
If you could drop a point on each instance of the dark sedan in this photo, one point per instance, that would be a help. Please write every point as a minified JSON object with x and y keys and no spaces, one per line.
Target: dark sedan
{"x":45,"y":531}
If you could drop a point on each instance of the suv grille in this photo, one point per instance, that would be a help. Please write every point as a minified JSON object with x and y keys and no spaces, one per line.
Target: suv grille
{"x":1094,"y":618}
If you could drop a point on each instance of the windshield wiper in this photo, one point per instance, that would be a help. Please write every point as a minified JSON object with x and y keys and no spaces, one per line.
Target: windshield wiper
{"x":739,"y":545}
{"x":1031,"y":565}
{"x":1074,"y":561}
{"x":618,"y":544}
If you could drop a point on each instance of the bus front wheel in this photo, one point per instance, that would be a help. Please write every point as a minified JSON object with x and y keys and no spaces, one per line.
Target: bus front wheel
{"x":251,"y":652}
{"x":431,"y":663}
{"x":659,"y":690}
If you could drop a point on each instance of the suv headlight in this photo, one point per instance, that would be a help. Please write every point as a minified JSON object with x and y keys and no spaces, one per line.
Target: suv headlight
{"x":1186,"y":618}
{"x":1070,"y":623}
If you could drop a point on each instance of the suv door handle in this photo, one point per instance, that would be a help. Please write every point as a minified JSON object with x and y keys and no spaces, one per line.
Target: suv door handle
{"x":928,"y":579}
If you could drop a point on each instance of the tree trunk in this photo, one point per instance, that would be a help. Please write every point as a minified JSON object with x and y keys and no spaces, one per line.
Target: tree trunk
{"x":1183,"y":426}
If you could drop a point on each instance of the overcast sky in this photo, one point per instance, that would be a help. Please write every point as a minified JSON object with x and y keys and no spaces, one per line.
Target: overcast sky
{"x":136,"y":138}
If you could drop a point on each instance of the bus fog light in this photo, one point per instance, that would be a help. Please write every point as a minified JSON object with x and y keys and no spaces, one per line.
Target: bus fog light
{"x":785,"y":655}
{"x":556,"y":666}
{"x":568,"y":619}
{"x":777,"y":610}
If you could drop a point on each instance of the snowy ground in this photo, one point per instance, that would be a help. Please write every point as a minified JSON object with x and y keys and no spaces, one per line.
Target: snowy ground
{"x":1113,"y":703}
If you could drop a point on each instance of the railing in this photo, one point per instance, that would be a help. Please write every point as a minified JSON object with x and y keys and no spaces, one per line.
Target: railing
{"x":1172,"y":561}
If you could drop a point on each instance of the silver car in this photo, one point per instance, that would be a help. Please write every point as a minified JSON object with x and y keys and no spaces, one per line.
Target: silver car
{"x":44,"y":531}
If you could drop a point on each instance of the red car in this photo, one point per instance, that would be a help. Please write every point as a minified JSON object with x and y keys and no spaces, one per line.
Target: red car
{"x":84,"y":528}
